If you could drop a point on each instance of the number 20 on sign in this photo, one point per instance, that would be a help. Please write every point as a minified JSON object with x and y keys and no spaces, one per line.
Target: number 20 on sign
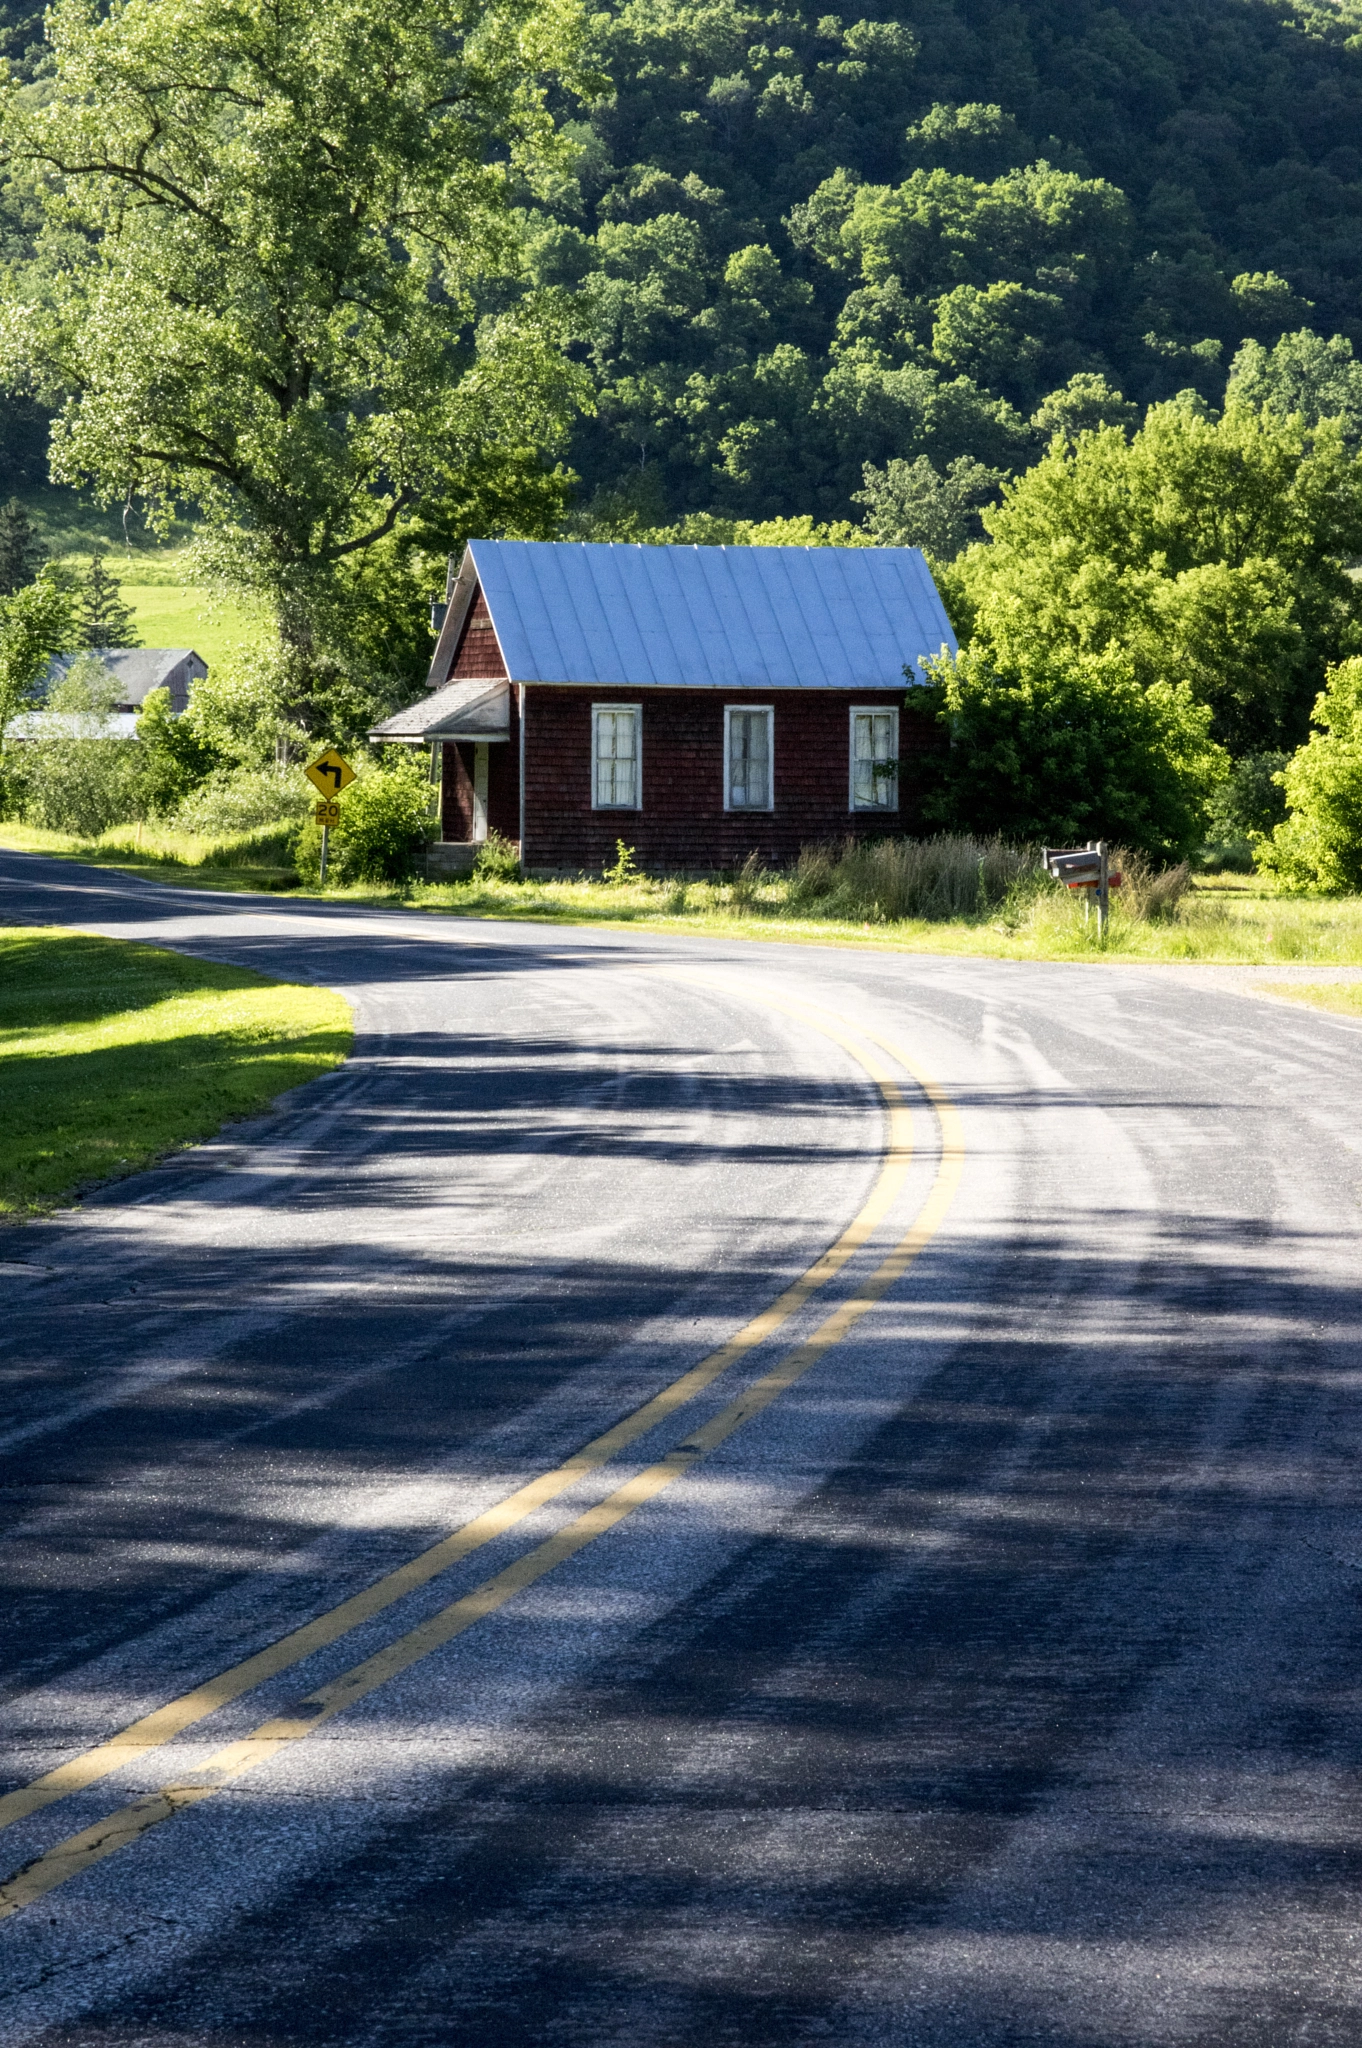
{"x":327,"y":813}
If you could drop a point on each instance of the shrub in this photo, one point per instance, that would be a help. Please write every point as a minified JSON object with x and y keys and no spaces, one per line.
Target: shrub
{"x":243,"y":799}
{"x":1318,"y":846}
{"x":175,"y":756}
{"x":1075,"y":752}
{"x":76,"y":776}
{"x":385,"y":824}
{"x":497,"y":860}
{"x":624,"y":868}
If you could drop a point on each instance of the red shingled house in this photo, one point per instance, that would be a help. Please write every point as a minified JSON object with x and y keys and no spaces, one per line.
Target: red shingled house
{"x":700,"y":704}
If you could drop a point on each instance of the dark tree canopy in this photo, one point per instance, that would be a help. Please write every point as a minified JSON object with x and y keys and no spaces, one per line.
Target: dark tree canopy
{"x":22,"y":554}
{"x":813,"y":240}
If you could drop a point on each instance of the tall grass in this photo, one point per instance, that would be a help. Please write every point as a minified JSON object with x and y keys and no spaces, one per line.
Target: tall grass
{"x":261,"y":846}
{"x":888,"y":880}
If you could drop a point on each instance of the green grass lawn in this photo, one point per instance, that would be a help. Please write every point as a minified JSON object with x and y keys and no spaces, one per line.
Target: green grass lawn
{"x":183,"y":615}
{"x":113,"y":1054}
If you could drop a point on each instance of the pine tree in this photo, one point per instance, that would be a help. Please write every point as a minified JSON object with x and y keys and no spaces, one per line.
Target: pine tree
{"x":22,"y":554}
{"x":100,"y":617}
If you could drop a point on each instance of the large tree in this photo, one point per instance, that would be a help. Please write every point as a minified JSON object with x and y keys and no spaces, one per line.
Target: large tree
{"x":1210,"y":552}
{"x":278,"y":276}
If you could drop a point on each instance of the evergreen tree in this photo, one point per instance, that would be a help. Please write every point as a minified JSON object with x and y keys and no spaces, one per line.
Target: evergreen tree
{"x":101,"y":619}
{"x":22,"y":554}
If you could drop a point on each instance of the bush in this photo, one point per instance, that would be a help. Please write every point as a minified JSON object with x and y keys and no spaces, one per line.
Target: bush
{"x":244,"y":799}
{"x":1075,"y":753}
{"x":76,"y":776}
{"x":1318,"y":846}
{"x":497,"y":860}
{"x":385,"y":825}
{"x":175,"y":756}
{"x":78,"y":785}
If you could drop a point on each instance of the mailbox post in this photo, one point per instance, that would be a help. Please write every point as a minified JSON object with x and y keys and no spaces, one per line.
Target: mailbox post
{"x":1086,"y":868}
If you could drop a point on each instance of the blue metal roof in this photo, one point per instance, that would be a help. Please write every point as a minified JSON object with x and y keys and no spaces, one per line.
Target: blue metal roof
{"x":716,"y":618}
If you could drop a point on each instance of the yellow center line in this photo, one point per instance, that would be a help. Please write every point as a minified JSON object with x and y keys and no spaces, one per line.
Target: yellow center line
{"x":92,"y":1845}
{"x":160,"y":1726}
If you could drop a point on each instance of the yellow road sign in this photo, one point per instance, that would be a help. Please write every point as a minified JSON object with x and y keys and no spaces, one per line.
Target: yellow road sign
{"x":330,"y":773}
{"x":327,"y":813}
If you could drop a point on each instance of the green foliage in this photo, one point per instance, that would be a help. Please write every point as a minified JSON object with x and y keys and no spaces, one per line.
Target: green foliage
{"x":22,"y":554}
{"x":711,"y":530}
{"x":809,"y":242}
{"x":240,"y":800}
{"x":623,"y":869}
{"x":1249,"y":804}
{"x":276,"y":275}
{"x":242,"y":712}
{"x":1303,"y":374}
{"x":497,"y":859}
{"x":176,"y":758}
{"x":386,"y":823}
{"x":1206,"y":552}
{"x":35,"y":624}
{"x":1074,"y":750}
{"x":99,"y":618}
{"x":912,"y":505}
{"x":78,"y":776}
{"x":1318,"y":846}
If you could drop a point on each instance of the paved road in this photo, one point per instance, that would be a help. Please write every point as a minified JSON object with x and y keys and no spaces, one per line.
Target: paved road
{"x":999,"y":1681}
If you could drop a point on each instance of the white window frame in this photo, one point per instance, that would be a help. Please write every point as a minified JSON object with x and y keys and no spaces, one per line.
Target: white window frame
{"x":768,"y":711}
{"x":636,"y":711}
{"x":890,"y":783}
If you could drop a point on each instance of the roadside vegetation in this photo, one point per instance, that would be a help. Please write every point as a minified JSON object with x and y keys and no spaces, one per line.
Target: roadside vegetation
{"x":113,"y":1054}
{"x":953,"y":894}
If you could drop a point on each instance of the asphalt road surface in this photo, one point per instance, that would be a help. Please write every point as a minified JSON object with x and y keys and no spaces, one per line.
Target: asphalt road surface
{"x":547,"y":1599}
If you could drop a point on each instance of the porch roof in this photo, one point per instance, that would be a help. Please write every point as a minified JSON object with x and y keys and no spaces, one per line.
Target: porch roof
{"x":460,"y":711}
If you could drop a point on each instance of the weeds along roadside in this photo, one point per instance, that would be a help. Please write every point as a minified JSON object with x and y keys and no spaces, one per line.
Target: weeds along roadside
{"x":953,"y":894}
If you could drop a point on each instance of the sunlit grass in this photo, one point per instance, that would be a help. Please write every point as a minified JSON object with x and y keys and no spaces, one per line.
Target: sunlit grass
{"x":113,"y":1054}
{"x":258,"y":859}
{"x":1344,"y":997}
{"x":1225,"y":919}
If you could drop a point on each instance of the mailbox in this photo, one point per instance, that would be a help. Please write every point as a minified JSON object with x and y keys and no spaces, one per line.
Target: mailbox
{"x":1085,"y":867}
{"x":1080,"y":869}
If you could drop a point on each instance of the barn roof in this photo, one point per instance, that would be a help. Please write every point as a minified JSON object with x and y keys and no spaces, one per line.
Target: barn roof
{"x":138,"y":669}
{"x":732,"y":618}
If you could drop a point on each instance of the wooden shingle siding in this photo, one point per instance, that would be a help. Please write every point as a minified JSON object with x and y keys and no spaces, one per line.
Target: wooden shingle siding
{"x":477,"y":656}
{"x":683,"y":824}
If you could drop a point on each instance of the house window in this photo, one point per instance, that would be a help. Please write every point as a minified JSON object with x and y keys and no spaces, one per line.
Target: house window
{"x":618,"y":785}
{"x":747,"y":754}
{"x":874,"y":760}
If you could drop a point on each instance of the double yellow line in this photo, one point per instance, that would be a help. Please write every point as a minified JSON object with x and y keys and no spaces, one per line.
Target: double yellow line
{"x":80,"y":1851}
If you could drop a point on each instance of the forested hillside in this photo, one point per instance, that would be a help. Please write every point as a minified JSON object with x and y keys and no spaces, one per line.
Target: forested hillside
{"x":809,"y":241}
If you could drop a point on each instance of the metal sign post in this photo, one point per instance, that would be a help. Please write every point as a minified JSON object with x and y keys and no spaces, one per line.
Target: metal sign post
{"x":330,"y":773}
{"x":327,"y":814}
